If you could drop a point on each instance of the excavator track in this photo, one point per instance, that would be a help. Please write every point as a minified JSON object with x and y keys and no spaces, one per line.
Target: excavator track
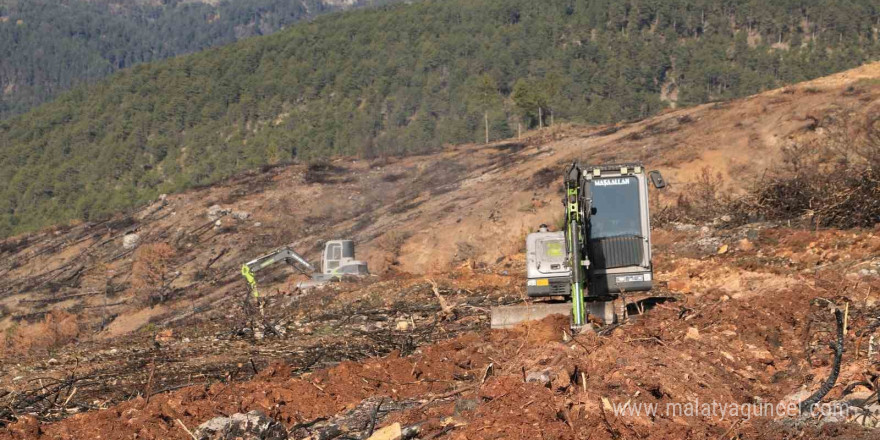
{"x":614,"y":311}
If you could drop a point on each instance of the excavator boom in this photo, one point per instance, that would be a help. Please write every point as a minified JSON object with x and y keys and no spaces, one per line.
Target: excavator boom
{"x":285,"y":254}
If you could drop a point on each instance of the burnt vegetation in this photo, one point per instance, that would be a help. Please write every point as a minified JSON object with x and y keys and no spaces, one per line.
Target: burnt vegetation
{"x":832,"y":180}
{"x":322,"y":171}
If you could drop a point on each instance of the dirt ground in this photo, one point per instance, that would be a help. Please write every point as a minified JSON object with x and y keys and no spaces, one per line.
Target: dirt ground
{"x":750,"y":321}
{"x":758,"y":341}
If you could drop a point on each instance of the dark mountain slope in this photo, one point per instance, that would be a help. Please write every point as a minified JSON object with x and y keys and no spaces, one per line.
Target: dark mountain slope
{"x":49,"y":46}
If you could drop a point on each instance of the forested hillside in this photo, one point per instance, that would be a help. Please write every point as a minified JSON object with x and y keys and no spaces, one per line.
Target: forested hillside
{"x":406,"y":79}
{"x":48,"y":46}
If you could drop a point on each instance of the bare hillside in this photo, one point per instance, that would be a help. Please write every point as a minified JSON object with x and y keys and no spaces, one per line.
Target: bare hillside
{"x":150,"y":302}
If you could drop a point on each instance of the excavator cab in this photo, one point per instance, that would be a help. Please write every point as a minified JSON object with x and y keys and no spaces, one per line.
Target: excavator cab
{"x":338,"y":260}
{"x":618,"y":230}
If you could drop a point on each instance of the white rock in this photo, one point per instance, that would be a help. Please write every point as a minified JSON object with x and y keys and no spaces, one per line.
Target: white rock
{"x":541,"y":377}
{"x":130,"y":241}
{"x":684,"y":227}
{"x":241,"y":215}
{"x":253,"y":425}
{"x":216,"y":211}
{"x":390,"y":432}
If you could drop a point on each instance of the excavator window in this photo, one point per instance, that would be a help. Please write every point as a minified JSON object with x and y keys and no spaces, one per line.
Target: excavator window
{"x":553,"y":250}
{"x":616,"y":208}
{"x":334,"y":255}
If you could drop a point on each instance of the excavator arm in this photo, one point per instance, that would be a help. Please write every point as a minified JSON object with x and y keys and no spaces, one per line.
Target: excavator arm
{"x":285,"y":254}
{"x":577,"y":212}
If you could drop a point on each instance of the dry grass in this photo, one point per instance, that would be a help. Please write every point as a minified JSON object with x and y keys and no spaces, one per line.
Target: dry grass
{"x":831,"y":180}
{"x":57,"y":328}
{"x":149,"y":272}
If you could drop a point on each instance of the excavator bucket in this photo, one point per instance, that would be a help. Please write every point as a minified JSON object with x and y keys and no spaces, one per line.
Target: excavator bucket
{"x":510,"y":316}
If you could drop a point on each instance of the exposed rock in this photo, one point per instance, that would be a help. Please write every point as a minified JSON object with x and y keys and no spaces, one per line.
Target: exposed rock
{"x":251,"y":426}
{"x":215,"y":212}
{"x":390,"y":432}
{"x":868,"y":273}
{"x":130,"y":241}
{"x":403,"y":326}
{"x":761,"y":354}
{"x":692,"y":333}
{"x":684,"y":227}
{"x":724,"y":219}
{"x":241,"y":215}
{"x":540,"y":377}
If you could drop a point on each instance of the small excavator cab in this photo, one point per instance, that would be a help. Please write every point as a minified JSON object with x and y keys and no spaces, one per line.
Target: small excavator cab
{"x":338,"y":260}
{"x":547,"y":269}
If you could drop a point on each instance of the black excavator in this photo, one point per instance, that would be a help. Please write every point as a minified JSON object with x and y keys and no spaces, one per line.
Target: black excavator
{"x":603,"y":252}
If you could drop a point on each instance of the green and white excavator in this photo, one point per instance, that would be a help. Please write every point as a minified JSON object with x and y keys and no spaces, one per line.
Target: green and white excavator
{"x":338,"y":262}
{"x":603,"y":253}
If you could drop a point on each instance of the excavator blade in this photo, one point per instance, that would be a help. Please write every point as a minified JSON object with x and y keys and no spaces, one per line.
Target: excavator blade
{"x":509,"y":316}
